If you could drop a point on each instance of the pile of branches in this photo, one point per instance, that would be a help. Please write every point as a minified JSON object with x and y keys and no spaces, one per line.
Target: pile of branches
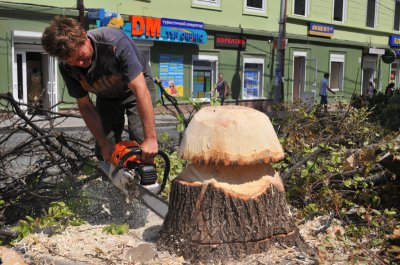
{"x":344,"y":165}
{"x":39,"y":164}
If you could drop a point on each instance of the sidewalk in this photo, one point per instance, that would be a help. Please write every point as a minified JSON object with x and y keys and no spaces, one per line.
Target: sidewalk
{"x":161,"y":120}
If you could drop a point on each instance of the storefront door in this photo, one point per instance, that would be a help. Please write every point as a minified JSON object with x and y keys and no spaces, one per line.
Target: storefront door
{"x":34,"y":73}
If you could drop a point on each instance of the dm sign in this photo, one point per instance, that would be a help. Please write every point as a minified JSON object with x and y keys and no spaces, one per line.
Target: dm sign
{"x":319,"y":29}
{"x":157,"y":29}
{"x":165,"y":29}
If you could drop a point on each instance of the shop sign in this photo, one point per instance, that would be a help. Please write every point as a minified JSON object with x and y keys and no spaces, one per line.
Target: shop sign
{"x":230,"y":41}
{"x":376,"y":51}
{"x":95,"y":13}
{"x":389,"y":56}
{"x":394,"y":40}
{"x":171,"y":72}
{"x":157,"y":29}
{"x":319,"y":29}
{"x":165,"y":29}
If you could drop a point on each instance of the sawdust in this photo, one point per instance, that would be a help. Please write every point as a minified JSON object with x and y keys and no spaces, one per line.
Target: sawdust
{"x":87,"y":244}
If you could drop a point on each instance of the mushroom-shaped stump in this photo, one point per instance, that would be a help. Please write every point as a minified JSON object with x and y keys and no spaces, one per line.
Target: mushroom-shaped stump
{"x":228,"y":202}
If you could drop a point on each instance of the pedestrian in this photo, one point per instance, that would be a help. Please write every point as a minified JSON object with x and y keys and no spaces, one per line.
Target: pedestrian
{"x":106,"y":62}
{"x":222,"y":88}
{"x":324,"y":86}
{"x":389,"y":89}
{"x":371,"y":90}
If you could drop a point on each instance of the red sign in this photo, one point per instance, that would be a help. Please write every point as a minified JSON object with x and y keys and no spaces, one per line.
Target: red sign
{"x":150,"y":24}
{"x":229,"y":41}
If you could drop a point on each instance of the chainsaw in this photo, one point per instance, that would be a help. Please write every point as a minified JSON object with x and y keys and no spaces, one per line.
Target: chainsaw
{"x":136,"y":178}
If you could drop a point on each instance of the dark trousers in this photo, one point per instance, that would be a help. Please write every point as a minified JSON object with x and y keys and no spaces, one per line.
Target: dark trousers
{"x":112,"y":114}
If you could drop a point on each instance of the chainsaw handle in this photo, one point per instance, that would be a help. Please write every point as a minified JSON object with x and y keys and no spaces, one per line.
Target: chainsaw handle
{"x":166,"y":169}
{"x":138,"y":151}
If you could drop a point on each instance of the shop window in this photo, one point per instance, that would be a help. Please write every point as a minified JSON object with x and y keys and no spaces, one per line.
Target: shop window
{"x":337,"y":71}
{"x":397,"y":16}
{"x":339,"y":10}
{"x":213,"y":3}
{"x":300,"y":7}
{"x":204,"y":71}
{"x":255,"y":6}
{"x":395,"y":73}
{"x":253,"y":78}
{"x":371,"y":13}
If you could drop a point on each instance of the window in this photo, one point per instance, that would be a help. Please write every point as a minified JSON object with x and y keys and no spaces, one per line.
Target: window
{"x":300,"y":7}
{"x":255,"y":6}
{"x":214,"y":3}
{"x":204,"y":75}
{"x":34,"y":73}
{"x":253,"y":78}
{"x":371,"y":13}
{"x":339,"y":10}
{"x":397,"y":16}
{"x":337,"y":71}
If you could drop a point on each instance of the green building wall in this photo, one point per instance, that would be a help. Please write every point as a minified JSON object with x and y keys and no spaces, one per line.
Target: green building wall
{"x":351,"y":38}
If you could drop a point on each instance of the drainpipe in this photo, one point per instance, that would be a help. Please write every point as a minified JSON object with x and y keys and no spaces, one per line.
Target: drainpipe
{"x":280,"y":56}
{"x":81,"y":9}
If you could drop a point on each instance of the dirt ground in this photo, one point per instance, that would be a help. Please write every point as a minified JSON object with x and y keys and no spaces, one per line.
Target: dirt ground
{"x":87,"y":244}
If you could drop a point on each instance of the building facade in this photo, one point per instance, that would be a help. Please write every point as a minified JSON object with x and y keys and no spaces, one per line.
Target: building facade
{"x":189,"y":42}
{"x":351,"y":40}
{"x":216,"y":37}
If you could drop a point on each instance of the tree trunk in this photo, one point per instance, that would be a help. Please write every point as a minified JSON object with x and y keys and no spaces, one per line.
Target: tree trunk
{"x":231,"y":213}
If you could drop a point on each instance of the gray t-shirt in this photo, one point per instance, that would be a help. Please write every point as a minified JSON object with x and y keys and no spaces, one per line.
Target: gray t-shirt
{"x":117,"y":61}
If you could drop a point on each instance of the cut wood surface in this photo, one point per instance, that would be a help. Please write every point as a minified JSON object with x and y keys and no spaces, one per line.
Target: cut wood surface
{"x":230,"y":135}
{"x":241,"y":181}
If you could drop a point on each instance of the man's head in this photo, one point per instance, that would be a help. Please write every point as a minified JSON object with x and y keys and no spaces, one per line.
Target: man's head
{"x":326,"y":75}
{"x":66,"y":39}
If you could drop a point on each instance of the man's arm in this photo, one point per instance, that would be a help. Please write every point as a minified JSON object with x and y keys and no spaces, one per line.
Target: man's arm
{"x":330,"y":89}
{"x":145,"y":108}
{"x":93,"y":122}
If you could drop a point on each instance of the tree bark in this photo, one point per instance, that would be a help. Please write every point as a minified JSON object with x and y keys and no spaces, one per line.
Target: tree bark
{"x":208,"y":222}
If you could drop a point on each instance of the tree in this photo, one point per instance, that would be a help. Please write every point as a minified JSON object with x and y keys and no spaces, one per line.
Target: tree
{"x":229,"y":202}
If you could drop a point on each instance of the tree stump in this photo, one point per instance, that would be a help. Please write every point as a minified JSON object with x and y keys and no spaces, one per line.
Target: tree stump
{"x":228,"y":202}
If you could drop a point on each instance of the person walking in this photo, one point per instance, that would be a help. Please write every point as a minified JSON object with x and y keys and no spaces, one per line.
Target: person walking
{"x":371,"y":90}
{"x":324,"y":87}
{"x":222,"y":88}
{"x":106,"y":62}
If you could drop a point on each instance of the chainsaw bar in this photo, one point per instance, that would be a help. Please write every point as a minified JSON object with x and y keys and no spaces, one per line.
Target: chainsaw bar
{"x":129,"y":184}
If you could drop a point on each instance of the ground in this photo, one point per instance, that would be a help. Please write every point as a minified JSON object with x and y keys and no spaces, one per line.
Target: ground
{"x":87,"y":244}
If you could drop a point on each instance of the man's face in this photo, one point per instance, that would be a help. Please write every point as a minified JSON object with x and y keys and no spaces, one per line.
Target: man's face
{"x":82,"y":56}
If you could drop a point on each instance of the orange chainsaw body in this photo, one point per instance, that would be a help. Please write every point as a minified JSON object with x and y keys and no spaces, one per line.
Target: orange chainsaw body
{"x":123,"y":148}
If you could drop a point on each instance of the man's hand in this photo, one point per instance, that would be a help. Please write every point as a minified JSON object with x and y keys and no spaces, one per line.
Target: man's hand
{"x":149,"y":149}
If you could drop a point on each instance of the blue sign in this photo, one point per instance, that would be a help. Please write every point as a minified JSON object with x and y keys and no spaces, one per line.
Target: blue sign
{"x":157,"y":29}
{"x":95,"y":13}
{"x":394,"y":40}
{"x":171,"y":73}
{"x":319,"y":29}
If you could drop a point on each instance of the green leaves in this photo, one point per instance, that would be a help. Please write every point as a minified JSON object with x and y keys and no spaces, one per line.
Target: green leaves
{"x":114,"y":229}
{"x":58,"y":216}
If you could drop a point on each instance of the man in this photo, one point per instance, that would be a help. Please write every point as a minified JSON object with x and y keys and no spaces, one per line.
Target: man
{"x":105,"y":62}
{"x":323,"y":91}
